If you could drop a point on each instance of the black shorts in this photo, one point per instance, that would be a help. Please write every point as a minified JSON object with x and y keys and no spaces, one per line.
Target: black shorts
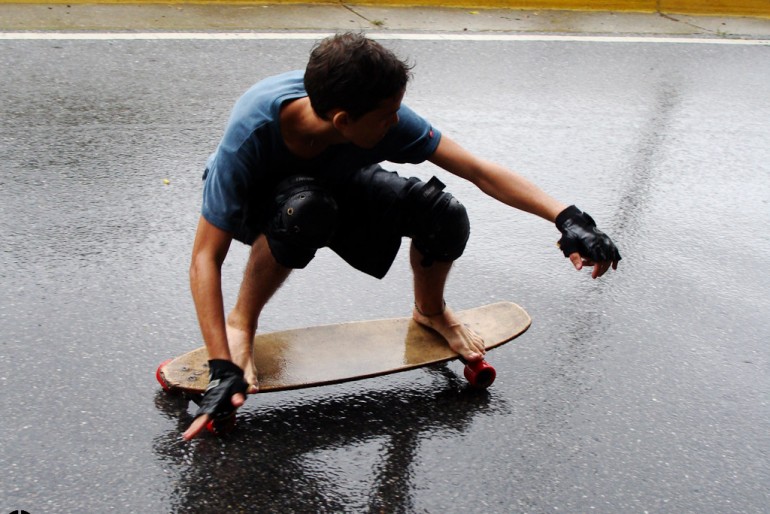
{"x":376,"y":209}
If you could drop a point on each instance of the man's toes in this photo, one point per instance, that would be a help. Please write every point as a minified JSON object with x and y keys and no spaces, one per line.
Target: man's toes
{"x":475,"y":341}
{"x":473,"y":356}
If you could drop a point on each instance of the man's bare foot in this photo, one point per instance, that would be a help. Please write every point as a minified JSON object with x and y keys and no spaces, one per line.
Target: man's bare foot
{"x":240,"y":343}
{"x":460,"y":338}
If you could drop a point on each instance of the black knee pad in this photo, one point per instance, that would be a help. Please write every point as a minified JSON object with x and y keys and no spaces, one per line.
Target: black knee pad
{"x":304,"y":219}
{"x":439,"y":222}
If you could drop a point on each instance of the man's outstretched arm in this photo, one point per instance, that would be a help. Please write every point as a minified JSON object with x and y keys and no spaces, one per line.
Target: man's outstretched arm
{"x":586,"y":244}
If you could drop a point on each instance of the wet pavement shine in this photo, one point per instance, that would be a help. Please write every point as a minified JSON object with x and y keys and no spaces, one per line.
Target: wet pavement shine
{"x":645,"y":391}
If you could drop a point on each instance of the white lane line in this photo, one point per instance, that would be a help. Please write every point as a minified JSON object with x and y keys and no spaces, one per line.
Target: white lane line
{"x":278,"y":36}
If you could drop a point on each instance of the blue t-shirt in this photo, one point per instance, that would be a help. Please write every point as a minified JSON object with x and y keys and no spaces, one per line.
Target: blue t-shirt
{"x":252,"y":158}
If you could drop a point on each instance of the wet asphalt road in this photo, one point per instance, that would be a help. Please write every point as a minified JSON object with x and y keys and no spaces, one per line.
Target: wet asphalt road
{"x":645,"y":391}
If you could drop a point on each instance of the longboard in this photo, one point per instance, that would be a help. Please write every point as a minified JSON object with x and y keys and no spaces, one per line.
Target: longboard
{"x":329,"y":354}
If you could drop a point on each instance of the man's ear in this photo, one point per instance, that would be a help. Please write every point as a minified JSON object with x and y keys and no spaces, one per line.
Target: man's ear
{"x":341,"y":120}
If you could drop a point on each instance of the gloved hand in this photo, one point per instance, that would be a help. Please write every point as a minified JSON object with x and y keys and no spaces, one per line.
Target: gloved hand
{"x":225,"y":380}
{"x":579,"y":234}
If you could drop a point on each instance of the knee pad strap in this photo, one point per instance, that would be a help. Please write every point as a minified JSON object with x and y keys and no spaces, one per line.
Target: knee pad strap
{"x":439,"y":223}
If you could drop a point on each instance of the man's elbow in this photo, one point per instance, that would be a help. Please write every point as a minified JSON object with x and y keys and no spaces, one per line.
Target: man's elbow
{"x":202,"y":266}
{"x":194,"y":270}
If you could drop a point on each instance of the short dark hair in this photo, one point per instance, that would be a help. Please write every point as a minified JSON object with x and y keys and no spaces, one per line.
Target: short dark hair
{"x":353,"y":73}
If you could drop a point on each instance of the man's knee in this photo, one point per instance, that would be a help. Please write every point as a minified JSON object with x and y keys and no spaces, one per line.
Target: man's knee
{"x":440,"y":224}
{"x":304,"y":218}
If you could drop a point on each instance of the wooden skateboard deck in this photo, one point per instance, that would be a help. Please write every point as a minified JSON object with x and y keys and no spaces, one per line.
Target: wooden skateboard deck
{"x":329,"y":354}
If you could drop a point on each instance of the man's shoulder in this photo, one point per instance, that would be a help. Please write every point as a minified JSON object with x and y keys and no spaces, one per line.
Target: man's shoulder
{"x":412,"y":140}
{"x":409,"y":116}
{"x":276,"y":87}
{"x":293,"y":80}
{"x":411,"y":124}
{"x":259,"y":107}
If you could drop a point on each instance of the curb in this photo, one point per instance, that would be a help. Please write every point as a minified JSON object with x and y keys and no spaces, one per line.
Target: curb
{"x":747,"y":8}
{"x":752,"y":8}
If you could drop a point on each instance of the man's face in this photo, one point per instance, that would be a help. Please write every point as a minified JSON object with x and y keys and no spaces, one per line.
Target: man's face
{"x":369,"y":129}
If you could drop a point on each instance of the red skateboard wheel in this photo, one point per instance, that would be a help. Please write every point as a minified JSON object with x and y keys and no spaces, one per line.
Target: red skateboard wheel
{"x":221,"y":426}
{"x":160,"y":379}
{"x":480,"y":374}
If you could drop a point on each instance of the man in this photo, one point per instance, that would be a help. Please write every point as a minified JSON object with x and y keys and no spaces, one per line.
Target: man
{"x":298,"y":169}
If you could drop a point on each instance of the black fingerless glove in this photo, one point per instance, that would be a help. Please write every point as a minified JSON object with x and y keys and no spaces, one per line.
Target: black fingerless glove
{"x":225,"y":379}
{"x":579,"y":234}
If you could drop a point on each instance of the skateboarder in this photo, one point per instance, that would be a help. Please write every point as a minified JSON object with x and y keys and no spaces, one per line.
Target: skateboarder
{"x":298,"y":169}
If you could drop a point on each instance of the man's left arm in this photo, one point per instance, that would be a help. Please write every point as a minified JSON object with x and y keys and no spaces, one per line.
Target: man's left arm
{"x":581,"y":241}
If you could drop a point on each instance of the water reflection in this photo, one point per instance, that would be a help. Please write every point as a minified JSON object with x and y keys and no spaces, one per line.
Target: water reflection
{"x":643,"y":169}
{"x":272,"y":460}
